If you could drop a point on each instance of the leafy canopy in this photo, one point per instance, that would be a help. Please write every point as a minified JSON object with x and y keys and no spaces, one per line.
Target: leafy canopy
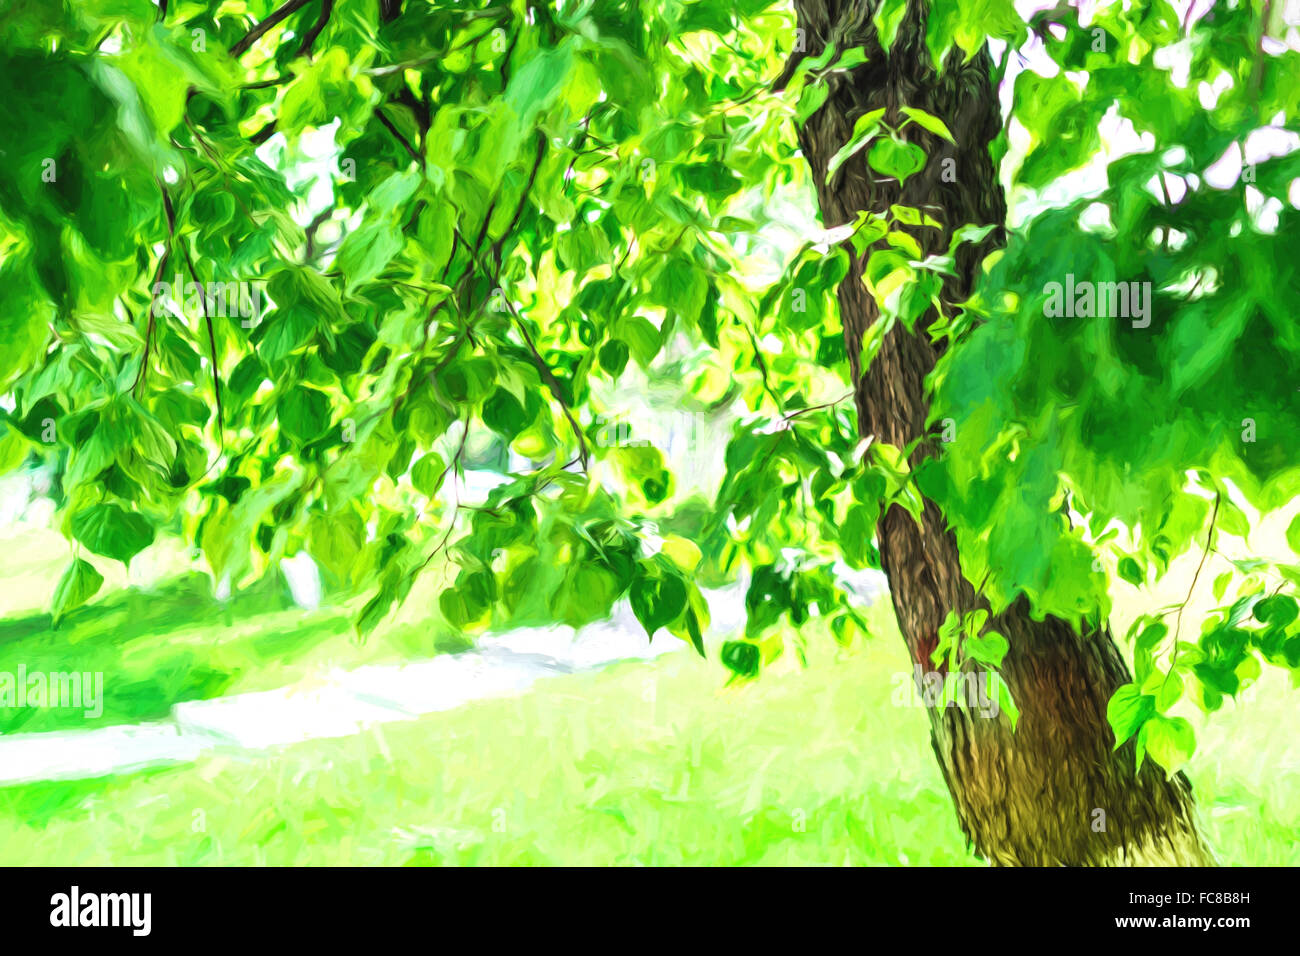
{"x":435,"y":225}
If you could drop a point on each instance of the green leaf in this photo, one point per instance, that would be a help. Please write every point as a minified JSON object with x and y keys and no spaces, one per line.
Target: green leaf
{"x":1293,"y":534}
{"x":304,"y":414}
{"x":366,"y":252}
{"x":1126,"y":711}
{"x":1169,"y":690}
{"x":285,"y":331}
{"x":1169,"y":741}
{"x":336,"y":540}
{"x":78,"y":585}
{"x":742,"y":658}
{"x":657,"y":599}
{"x":613,"y":357}
{"x":896,"y":158}
{"x":1006,"y":703}
{"x":865,"y":130}
{"x":503,"y":414}
{"x":928,"y":122}
{"x":642,"y":337}
{"x":1279,"y":610}
{"x":429,"y":473}
{"x":681,"y":287}
{"x":1131,"y":572}
{"x":111,"y":531}
{"x":888,"y":18}
{"x":989,"y":648}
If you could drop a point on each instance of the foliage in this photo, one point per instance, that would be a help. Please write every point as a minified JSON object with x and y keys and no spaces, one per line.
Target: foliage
{"x":526,"y":204}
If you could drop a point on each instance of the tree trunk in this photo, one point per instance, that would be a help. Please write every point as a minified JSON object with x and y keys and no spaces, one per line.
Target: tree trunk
{"x":1030,"y":797}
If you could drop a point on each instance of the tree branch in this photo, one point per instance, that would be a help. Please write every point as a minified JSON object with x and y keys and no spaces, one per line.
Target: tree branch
{"x":157,"y":277}
{"x":543,"y":370}
{"x":388,"y":124}
{"x":255,"y":34}
{"x":523,"y":199}
{"x":212,"y":345}
{"x":326,"y":8}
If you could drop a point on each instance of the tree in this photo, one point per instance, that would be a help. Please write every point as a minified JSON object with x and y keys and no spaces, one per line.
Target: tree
{"x":1023,"y":795}
{"x":526,"y":204}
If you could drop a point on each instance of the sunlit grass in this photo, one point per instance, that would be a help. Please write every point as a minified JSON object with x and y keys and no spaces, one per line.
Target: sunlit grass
{"x":655,"y":762}
{"x":651,"y":763}
{"x":165,"y":639}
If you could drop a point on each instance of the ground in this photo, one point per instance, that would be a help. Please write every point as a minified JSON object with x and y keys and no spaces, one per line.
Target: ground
{"x":643,"y":762}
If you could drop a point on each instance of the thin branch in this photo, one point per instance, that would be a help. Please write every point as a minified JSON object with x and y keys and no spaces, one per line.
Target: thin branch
{"x":255,"y":34}
{"x":266,"y":84}
{"x":539,"y":362}
{"x":263,"y":134}
{"x":322,"y":217}
{"x":158,"y":274}
{"x":552,"y":383}
{"x":464,"y":434}
{"x":1178,"y":618}
{"x":762,"y":369}
{"x":326,"y":8}
{"x":487,"y":220}
{"x":212,"y":345}
{"x":523,"y":199}
{"x":505,"y":59}
{"x":423,"y":120}
{"x":1261,"y":57}
{"x":577,"y":151}
{"x":814,"y":408}
{"x":406,"y":144}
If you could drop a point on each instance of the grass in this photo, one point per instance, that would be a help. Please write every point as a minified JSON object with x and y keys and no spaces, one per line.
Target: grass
{"x":164,"y":639}
{"x":653,"y":762}
{"x":643,"y":763}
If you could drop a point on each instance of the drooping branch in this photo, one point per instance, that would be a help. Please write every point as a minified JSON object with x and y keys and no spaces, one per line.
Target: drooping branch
{"x":158,"y":274}
{"x":543,"y":369}
{"x":326,"y":8}
{"x":255,"y":34}
{"x":397,"y":134}
{"x":212,"y":344}
{"x":523,"y":200}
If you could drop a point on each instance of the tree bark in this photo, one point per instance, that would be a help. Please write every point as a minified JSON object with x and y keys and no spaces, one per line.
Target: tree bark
{"x":1027,"y":797}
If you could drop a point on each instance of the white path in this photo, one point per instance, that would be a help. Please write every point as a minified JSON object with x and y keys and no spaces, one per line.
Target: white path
{"x":345,"y":702}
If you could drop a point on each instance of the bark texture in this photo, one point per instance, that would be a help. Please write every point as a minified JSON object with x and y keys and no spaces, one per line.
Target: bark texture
{"x":1029,"y":797}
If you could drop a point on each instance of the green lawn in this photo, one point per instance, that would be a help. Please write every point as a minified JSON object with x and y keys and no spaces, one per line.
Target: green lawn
{"x":171,"y":641}
{"x":653,"y":762}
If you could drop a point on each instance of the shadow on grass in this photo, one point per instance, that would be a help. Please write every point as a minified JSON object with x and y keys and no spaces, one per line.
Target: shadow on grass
{"x":171,"y":643}
{"x":133,"y":612}
{"x":129,"y":638}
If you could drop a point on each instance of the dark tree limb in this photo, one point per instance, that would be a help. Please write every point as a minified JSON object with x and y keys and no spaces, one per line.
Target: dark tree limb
{"x":255,"y":34}
{"x":523,"y":199}
{"x":212,"y":344}
{"x":158,"y":274}
{"x":326,"y":8}
{"x":397,"y":134}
